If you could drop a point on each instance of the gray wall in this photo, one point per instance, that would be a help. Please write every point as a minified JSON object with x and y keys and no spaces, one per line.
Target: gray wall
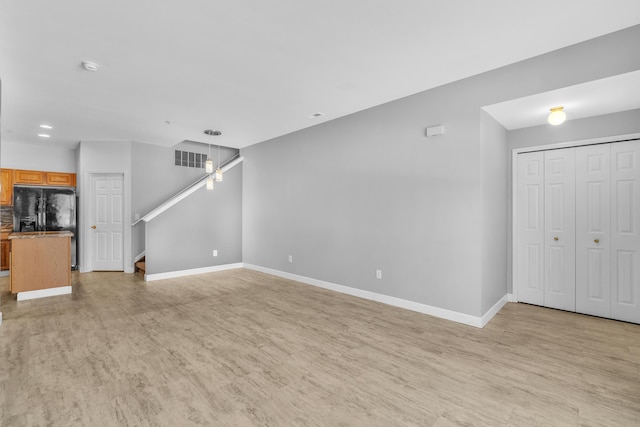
{"x":622,"y":123}
{"x":363,"y":193}
{"x":155,"y":179}
{"x":101,"y":157}
{"x":368,"y":191}
{"x":493,"y":138}
{"x":38,"y":157}
{"x":184,"y":236}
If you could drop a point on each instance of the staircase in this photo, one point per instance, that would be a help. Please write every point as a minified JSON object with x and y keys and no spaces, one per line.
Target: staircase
{"x":140,"y":266}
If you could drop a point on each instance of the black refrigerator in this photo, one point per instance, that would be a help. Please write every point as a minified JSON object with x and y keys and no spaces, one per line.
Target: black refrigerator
{"x":46,"y":209}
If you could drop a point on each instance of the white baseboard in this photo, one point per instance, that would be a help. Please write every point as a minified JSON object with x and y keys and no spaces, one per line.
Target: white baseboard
{"x":139,"y":256}
{"x":127,"y":269}
{"x":494,"y":310}
{"x":0,"y":318}
{"x":511,"y":298}
{"x":442,"y":313}
{"x":41,"y":293}
{"x":191,"y":272}
{"x":4,"y":273}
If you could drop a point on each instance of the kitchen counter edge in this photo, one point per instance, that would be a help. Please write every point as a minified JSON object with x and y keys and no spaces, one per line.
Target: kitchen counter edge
{"x":39,"y":234}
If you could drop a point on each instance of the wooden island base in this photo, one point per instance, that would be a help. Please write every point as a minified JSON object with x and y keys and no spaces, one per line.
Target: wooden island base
{"x":40,"y":263}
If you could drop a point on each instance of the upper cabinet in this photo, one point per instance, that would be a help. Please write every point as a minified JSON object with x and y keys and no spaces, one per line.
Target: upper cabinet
{"x":28,"y":177}
{"x":6,"y":193}
{"x":58,"y":179}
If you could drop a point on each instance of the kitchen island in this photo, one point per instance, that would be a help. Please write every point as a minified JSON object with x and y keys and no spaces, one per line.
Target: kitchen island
{"x":40,"y":263}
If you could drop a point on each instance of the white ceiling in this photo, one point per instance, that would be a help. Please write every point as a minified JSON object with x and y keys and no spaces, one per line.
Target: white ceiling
{"x":256,"y":69}
{"x":604,"y":96}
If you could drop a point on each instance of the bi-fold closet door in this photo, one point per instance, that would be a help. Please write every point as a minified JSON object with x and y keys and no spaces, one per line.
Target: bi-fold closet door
{"x":577,"y":220}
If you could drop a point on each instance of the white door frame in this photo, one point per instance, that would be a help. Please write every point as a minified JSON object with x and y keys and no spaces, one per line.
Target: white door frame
{"x":514,"y":188}
{"x":85,"y":219}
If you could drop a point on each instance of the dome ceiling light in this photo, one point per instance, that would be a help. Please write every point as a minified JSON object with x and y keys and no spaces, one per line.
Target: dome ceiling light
{"x":557,"y":116}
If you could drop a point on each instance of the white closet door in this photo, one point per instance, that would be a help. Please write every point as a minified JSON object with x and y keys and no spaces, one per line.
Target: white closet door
{"x":593,"y":242}
{"x":530,"y":228}
{"x":625,"y":244}
{"x":559,"y":224}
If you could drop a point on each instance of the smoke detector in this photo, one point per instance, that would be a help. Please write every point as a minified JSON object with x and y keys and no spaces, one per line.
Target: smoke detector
{"x":90,"y":66}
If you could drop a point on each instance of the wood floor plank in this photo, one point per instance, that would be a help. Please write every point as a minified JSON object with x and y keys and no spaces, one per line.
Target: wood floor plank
{"x":242,"y":348}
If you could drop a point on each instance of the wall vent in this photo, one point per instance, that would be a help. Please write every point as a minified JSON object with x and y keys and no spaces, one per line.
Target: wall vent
{"x":190,"y":160}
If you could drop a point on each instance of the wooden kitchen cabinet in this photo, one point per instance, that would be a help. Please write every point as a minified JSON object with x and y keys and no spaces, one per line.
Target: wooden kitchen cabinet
{"x":6,"y":193}
{"x":5,"y":246}
{"x":57,"y":179}
{"x":60,"y":179}
{"x":28,"y":177}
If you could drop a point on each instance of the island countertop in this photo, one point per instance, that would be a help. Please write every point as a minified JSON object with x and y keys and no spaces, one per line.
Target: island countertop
{"x":39,"y":234}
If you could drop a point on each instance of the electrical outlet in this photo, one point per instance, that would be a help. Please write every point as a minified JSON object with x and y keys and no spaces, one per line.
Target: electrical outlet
{"x":378,"y":274}
{"x":290,"y":258}
{"x":215,"y":252}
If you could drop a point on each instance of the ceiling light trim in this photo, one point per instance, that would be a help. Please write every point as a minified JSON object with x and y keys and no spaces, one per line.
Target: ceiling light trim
{"x":90,"y":66}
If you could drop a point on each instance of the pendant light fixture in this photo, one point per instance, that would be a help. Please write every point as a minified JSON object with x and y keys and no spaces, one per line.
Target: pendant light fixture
{"x":219,"y":171}
{"x":209,"y":163}
{"x":557,"y":116}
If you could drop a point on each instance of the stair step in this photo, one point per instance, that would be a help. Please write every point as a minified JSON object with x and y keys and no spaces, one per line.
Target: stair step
{"x":141,"y":266}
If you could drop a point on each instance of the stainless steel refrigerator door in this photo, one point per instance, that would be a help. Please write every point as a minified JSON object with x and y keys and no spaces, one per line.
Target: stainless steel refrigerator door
{"x":25,"y":208}
{"x":59,"y":209}
{"x":59,"y":214}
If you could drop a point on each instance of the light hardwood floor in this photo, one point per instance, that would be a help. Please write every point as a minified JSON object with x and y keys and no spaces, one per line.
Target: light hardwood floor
{"x":244,"y":348}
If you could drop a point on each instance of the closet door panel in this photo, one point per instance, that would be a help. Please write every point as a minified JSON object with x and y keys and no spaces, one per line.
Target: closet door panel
{"x":530,"y":232}
{"x":559,"y":236}
{"x":625,"y":245}
{"x":593,"y":242}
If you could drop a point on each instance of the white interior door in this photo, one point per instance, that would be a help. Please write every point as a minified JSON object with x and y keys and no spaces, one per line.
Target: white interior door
{"x":559,"y":223}
{"x":625,"y":235}
{"x":530,"y":228}
{"x":593,"y":230}
{"x":107,"y":227}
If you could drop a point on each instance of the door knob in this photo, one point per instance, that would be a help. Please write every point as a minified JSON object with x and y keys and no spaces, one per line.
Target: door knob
{"x":596,"y":240}
{"x":556,"y":238}
{"x":93,"y":227}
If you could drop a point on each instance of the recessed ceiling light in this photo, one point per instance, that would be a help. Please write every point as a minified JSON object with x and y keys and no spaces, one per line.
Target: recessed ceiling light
{"x":90,"y":66}
{"x":316,"y":115}
{"x":44,"y":135}
{"x":46,"y":127}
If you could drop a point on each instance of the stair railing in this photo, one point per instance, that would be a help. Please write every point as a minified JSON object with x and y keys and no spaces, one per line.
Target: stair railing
{"x":186,"y":192}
